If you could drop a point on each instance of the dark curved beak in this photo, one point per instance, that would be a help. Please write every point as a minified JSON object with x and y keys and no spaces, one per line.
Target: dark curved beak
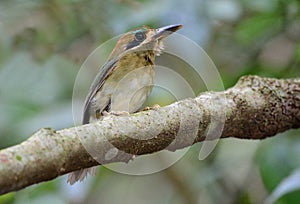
{"x":166,"y":31}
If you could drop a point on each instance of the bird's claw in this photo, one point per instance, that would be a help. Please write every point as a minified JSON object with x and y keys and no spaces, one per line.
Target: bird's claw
{"x":116,"y":113}
{"x":155,"y":107}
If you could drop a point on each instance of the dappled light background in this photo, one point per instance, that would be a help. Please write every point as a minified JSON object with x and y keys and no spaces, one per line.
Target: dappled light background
{"x":44,"y":43}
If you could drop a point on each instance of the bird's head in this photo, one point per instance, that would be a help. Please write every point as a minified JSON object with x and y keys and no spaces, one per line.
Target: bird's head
{"x":143,"y":39}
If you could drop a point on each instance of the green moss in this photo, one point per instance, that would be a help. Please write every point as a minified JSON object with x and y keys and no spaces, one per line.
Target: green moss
{"x":124,"y":137}
{"x":228,"y":112}
{"x":18,"y":157}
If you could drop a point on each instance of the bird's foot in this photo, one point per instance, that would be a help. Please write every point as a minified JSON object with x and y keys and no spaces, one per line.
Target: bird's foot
{"x":155,"y":107}
{"x":133,"y":157}
{"x":116,"y":113}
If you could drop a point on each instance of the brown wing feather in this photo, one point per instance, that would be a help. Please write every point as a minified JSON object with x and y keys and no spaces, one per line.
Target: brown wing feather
{"x":98,"y":82}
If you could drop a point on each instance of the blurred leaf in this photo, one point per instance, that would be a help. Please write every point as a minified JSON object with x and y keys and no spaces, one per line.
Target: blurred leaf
{"x":254,"y":28}
{"x":39,"y":190}
{"x":277,"y":159}
{"x":46,"y":192}
{"x":287,"y":185}
{"x":7,"y":198}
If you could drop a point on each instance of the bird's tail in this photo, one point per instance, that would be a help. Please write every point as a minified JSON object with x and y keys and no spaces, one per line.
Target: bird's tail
{"x":81,"y":174}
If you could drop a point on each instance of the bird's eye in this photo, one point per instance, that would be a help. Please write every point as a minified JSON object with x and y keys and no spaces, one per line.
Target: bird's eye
{"x":140,"y":36}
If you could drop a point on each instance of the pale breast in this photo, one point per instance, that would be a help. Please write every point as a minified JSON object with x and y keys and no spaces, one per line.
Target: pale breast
{"x":128,"y":86}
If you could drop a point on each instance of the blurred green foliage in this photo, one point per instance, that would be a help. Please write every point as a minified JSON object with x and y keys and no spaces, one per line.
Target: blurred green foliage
{"x":44,"y":43}
{"x":277,"y":158}
{"x":250,"y":30}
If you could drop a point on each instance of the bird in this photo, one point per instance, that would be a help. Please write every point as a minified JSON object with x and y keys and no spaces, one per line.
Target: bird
{"x":125,"y":81}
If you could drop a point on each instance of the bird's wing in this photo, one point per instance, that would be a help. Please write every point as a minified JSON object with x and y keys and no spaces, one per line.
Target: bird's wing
{"x":98,"y":82}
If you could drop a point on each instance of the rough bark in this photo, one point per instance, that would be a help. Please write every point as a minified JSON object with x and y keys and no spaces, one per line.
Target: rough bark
{"x":255,"y":108}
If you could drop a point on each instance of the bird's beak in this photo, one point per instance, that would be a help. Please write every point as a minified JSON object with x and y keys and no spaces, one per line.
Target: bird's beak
{"x":166,"y":31}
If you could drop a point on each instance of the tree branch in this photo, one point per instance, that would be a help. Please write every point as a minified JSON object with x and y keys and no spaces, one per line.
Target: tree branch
{"x":255,"y":108}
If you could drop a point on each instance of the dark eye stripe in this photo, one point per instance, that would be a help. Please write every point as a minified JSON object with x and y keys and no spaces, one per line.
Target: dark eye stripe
{"x":132,"y":44}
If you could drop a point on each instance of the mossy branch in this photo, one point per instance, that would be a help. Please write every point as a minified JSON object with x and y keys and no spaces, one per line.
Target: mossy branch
{"x":255,"y":108}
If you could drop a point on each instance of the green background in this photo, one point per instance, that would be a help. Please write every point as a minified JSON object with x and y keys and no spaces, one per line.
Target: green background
{"x":44,"y":43}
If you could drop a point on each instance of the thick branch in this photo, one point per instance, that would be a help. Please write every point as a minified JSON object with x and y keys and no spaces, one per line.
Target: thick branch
{"x":255,"y":108}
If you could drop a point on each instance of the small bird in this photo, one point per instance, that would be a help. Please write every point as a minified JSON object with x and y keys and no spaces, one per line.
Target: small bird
{"x":125,"y":81}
